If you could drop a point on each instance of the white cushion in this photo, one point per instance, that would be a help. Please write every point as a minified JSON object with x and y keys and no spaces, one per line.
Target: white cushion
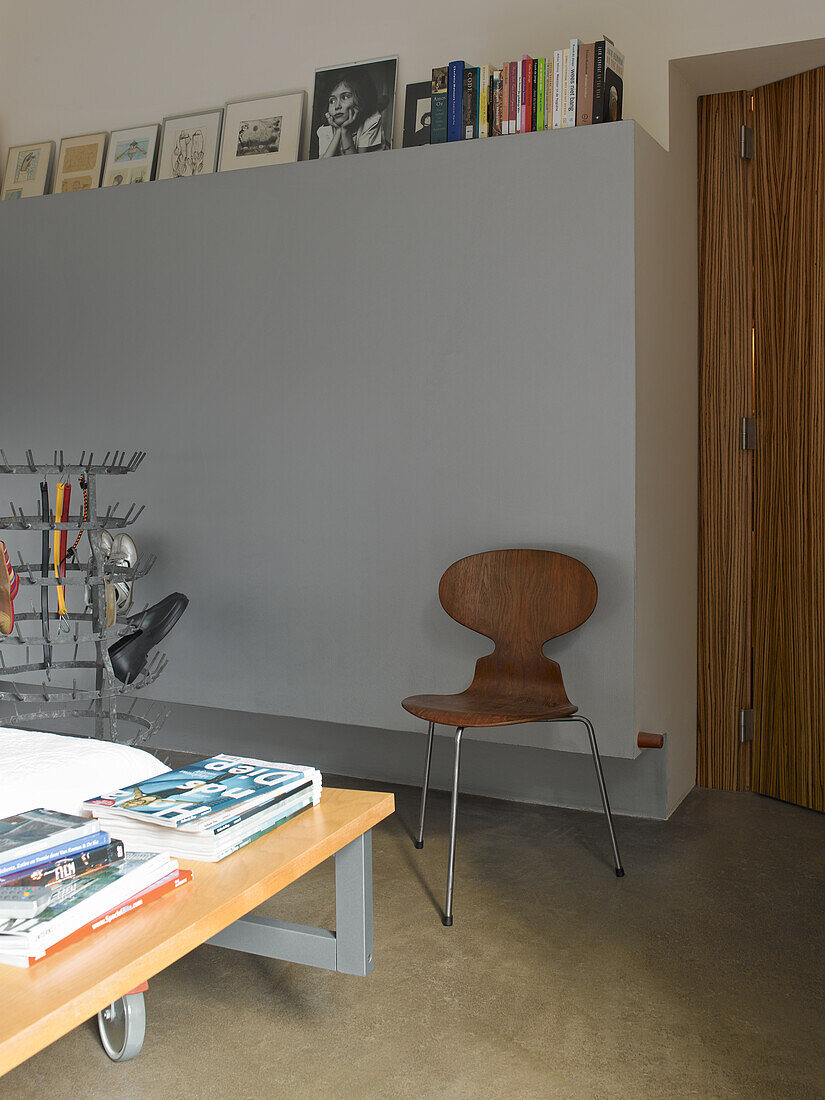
{"x":59,"y":772}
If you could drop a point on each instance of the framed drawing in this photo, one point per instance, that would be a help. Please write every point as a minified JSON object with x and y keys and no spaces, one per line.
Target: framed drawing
{"x":131,"y":156}
{"x":417,"y":114}
{"x":27,"y":170}
{"x":261,"y":131}
{"x":79,"y":163}
{"x":352,"y":108}
{"x":189,"y":144}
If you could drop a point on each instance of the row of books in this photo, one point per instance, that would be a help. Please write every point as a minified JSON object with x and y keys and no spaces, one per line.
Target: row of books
{"x":208,"y":810}
{"x":63,"y":877}
{"x":577,"y":86}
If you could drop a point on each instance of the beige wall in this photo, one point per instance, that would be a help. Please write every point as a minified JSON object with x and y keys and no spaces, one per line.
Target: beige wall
{"x":76,"y":66}
{"x":666,"y":440}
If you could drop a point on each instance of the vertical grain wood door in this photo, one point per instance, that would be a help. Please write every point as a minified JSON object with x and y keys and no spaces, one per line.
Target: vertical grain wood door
{"x":725,"y":396}
{"x":789,"y":524}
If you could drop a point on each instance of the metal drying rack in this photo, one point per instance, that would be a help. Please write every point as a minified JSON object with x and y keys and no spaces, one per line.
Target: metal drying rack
{"x":107,"y":703}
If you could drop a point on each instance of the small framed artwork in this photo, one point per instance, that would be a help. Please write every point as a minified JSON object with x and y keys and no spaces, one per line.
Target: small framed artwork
{"x":189,"y":145}
{"x":417,"y":114}
{"x":261,"y":131}
{"x":79,"y":163}
{"x":352,"y":108}
{"x":131,"y":156}
{"x":27,"y":170}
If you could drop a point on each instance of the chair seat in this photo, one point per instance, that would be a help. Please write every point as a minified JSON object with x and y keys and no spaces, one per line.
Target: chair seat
{"x":472,"y":708}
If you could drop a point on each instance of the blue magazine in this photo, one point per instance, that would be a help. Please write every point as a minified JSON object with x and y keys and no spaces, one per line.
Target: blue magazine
{"x":54,"y":852}
{"x":177,"y":797}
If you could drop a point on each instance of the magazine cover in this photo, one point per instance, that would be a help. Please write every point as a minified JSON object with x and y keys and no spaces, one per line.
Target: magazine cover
{"x":143,"y":836}
{"x":26,"y":832}
{"x":220,"y":822}
{"x":206,"y":787}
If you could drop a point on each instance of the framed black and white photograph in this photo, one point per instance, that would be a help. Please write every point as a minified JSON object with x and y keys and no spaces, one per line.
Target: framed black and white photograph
{"x":131,"y":156}
{"x":189,"y":144}
{"x":352,"y":108}
{"x":28,"y":168}
{"x":257,"y":132}
{"x":417,"y":113}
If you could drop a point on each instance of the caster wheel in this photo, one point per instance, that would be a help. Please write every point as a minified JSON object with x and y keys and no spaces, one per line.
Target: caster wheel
{"x":122,"y":1027}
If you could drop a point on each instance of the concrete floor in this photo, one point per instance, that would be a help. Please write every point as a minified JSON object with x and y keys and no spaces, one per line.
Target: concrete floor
{"x":700,"y":974}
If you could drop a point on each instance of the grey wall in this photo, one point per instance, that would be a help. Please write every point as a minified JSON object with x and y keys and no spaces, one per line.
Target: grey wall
{"x":347,"y":375}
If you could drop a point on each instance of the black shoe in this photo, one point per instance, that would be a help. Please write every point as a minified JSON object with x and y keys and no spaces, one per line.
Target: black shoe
{"x":146,"y":620}
{"x":128,"y":655}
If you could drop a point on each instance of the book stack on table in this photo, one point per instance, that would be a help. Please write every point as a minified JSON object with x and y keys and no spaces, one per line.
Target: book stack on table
{"x":210,"y":809}
{"x":63,"y":878}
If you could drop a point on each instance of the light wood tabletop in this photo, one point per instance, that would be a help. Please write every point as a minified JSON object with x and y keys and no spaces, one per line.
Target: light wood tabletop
{"x":52,"y":997}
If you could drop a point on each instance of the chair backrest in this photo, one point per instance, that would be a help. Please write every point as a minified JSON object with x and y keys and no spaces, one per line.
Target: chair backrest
{"x":521,"y":599}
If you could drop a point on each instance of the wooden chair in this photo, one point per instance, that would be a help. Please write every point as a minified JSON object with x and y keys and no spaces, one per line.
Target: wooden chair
{"x":520,"y":599}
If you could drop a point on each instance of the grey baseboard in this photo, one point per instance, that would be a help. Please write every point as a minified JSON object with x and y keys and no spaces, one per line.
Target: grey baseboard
{"x":522,"y":774}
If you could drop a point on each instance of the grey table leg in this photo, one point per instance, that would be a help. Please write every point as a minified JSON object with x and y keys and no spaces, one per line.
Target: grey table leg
{"x":353,"y":906}
{"x":348,"y":949}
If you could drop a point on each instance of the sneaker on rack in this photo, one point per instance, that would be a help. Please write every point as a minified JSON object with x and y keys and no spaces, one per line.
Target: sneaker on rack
{"x":9,"y":583}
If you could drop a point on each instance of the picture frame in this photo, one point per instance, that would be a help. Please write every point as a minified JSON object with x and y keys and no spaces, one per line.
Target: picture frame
{"x":28,"y":168}
{"x":130,"y":157}
{"x":417,"y":114}
{"x":189,"y":144}
{"x":258,"y":132}
{"x":353,"y":108}
{"x":79,"y":164}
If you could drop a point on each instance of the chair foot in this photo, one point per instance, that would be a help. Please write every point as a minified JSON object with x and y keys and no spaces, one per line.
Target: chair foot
{"x":447,"y":922}
{"x":620,"y":872}
{"x":418,"y":844}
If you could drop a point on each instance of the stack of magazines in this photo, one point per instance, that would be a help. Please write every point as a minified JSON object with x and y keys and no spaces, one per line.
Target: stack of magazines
{"x":209,"y":809}
{"x":63,"y":878}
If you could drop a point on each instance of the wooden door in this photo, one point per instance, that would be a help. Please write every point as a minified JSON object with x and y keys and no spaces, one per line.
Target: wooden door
{"x":762,"y":512}
{"x":725,"y":397}
{"x":789,"y":528}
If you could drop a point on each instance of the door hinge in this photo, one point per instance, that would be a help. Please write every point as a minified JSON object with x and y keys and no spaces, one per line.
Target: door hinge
{"x":746,"y":142}
{"x":748,"y":433}
{"x":745,"y":725}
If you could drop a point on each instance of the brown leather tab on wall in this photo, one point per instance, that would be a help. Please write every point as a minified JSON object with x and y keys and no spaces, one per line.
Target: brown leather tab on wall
{"x":650,"y":740}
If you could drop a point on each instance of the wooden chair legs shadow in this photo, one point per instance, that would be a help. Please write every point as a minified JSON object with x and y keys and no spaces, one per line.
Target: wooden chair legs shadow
{"x":520,"y":599}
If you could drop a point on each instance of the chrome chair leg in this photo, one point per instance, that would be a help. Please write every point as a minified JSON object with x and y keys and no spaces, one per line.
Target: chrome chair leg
{"x":617,"y":862}
{"x":602,"y":789}
{"x":447,"y":919}
{"x":420,"y":842}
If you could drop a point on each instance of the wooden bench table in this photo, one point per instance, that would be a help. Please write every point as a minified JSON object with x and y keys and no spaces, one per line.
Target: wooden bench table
{"x":106,"y":972}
